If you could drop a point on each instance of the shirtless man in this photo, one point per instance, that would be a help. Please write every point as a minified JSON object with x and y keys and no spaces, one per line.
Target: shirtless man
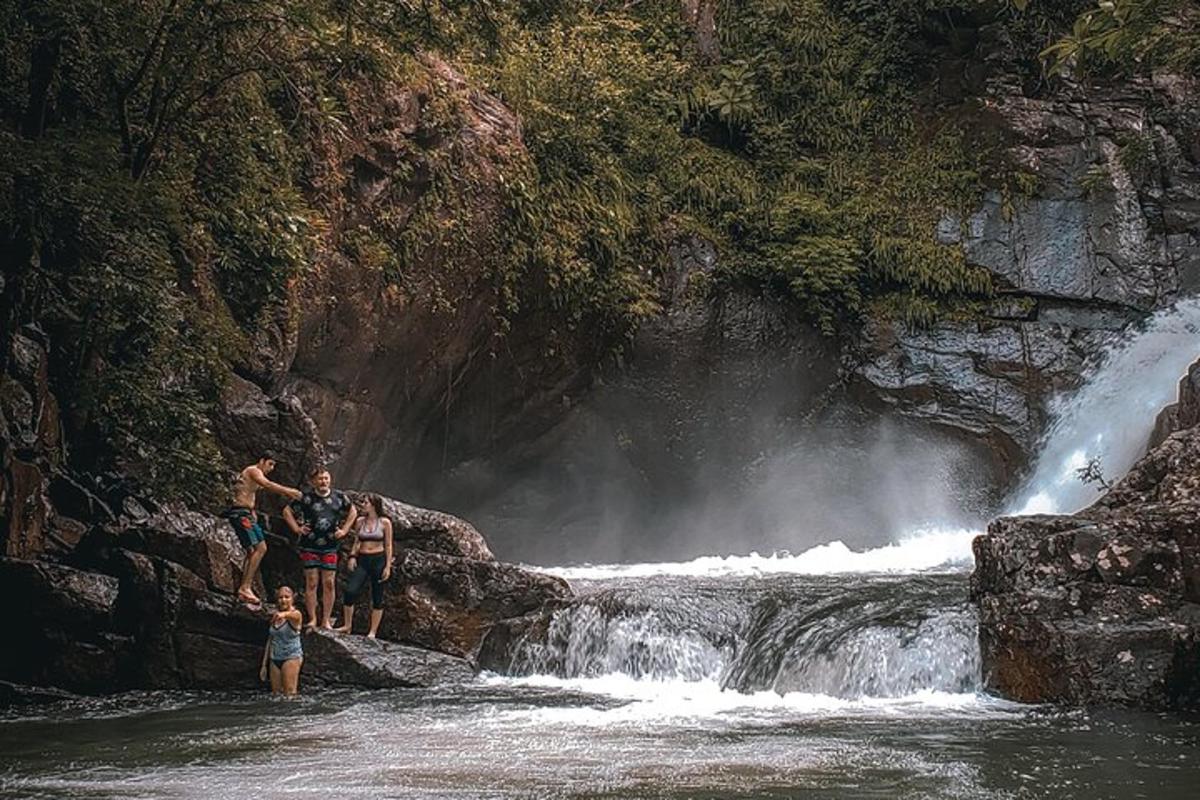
{"x":245,"y":521}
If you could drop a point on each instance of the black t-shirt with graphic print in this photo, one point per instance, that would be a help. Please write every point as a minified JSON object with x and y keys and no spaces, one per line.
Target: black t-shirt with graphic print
{"x":322,"y":515}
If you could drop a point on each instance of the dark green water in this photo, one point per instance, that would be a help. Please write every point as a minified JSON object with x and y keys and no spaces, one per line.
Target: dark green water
{"x":505,"y":739}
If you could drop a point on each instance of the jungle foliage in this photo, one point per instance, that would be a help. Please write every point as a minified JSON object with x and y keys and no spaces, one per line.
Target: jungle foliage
{"x":1130,"y":35}
{"x":157,"y":201}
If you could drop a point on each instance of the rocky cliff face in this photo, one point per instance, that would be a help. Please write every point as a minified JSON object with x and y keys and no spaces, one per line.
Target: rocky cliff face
{"x":1106,"y":233}
{"x":1102,"y":606}
{"x":403,"y":374}
{"x":119,"y":591}
{"x":1102,"y":232}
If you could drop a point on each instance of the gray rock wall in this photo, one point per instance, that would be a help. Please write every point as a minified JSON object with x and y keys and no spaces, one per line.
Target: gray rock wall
{"x":1110,"y":232}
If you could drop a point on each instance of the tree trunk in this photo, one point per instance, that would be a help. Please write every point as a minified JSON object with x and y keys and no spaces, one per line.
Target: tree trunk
{"x":701,"y":17}
{"x":42,"y":64}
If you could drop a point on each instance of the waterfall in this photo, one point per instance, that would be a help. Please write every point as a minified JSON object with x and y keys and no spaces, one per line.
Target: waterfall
{"x":842,"y":639}
{"x":885,"y":623}
{"x":1110,"y":417}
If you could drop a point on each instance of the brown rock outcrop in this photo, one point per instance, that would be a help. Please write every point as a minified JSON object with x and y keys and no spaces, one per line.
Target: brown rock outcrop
{"x":202,"y":544}
{"x":437,"y":597}
{"x":1103,"y":606}
{"x":30,"y":448}
{"x":402,"y":374}
{"x":449,"y":604}
{"x":150,"y":604}
{"x":1180,"y":415}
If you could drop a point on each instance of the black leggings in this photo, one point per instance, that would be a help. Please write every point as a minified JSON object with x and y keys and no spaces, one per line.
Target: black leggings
{"x":369,"y":566}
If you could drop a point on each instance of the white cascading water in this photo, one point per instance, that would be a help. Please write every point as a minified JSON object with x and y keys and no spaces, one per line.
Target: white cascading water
{"x":856,"y":649}
{"x":1108,"y":418}
{"x":926,"y":548}
{"x":1111,"y":416}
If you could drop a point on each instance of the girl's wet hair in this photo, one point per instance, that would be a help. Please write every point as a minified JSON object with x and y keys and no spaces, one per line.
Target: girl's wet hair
{"x":287,"y":589}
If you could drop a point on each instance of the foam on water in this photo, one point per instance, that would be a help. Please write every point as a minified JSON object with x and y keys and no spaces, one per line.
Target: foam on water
{"x":923,"y":550}
{"x":673,"y":701}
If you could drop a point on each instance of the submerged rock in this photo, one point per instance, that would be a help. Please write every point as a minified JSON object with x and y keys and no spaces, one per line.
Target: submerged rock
{"x":17,"y":694}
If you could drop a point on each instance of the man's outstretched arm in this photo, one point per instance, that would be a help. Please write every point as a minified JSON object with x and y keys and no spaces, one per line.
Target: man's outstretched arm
{"x":257,"y":476}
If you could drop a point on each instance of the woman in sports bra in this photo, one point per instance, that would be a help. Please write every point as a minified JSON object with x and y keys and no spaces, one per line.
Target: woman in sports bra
{"x":370,"y":559}
{"x":283,"y":652}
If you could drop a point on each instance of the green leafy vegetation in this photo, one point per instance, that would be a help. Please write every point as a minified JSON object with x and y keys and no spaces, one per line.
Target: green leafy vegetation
{"x":172,"y":170}
{"x":1130,"y":35}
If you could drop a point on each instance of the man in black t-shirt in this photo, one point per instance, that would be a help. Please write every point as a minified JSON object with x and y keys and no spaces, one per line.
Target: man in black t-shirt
{"x":321,"y":518}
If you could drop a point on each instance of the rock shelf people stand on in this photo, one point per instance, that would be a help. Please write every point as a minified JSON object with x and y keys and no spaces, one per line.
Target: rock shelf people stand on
{"x":322,"y":517}
{"x":244,"y":519}
{"x":370,"y":559}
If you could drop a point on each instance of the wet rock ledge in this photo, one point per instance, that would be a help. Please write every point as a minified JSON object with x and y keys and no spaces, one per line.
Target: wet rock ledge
{"x":1102,"y":607}
{"x":148,"y":603}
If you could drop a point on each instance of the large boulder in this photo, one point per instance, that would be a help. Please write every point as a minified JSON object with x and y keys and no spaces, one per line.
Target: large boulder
{"x":151,"y":592}
{"x":1102,"y":606}
{"x":436,"y":598}
{"x":449,"y":604}
{"x":340,"y":660}
{"x":201,"y":543}
{"x":435,"y":532}
{"x":62,"y":631}
{"x":219,"y":642}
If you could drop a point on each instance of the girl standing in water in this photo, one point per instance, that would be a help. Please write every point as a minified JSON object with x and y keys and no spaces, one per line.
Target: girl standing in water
{"x":370,"y":559}
{"x":283,"y":650}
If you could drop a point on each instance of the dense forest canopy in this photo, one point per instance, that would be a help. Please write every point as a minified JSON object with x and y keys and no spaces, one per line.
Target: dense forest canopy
{"x":161,"y":161}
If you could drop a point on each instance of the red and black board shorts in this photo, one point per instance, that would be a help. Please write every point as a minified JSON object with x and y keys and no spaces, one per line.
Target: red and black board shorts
{"x":246,"y":525}
{"x":319,"y":559}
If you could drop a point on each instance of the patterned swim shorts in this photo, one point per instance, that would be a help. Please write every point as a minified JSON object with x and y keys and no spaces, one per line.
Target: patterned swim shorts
{"x":246,"y":525}
{"x":319,"y":559}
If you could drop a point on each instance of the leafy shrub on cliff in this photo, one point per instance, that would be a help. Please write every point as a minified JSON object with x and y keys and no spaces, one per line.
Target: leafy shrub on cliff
{"x":797,"y":156}
{"x":149,"y":214}
{"x":1130,"y":35}
{"x":161,"y":183}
